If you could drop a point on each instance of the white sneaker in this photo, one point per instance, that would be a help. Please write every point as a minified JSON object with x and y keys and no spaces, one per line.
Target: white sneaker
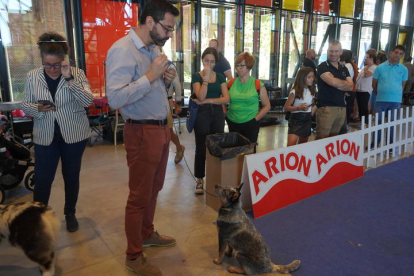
{"x":199,"y":187}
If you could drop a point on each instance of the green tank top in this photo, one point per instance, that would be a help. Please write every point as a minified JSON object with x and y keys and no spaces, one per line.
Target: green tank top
{"x":244,"y":101}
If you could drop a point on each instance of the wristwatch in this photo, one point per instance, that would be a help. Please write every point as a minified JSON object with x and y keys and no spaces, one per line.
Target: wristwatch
{"x":70,"y":78}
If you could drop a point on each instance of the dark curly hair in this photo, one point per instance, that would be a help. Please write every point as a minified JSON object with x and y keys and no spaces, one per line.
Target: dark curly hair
{"x":54,"y":44}
{"x":157,"y":10}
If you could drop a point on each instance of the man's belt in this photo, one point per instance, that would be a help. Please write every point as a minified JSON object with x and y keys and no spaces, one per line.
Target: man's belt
{"x":148,"y":122}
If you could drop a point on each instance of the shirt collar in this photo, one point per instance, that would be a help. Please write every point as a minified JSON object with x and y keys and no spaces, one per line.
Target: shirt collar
{"x":330,"y":64}
{"x":388,"y":63}
{"x":137,"y":40}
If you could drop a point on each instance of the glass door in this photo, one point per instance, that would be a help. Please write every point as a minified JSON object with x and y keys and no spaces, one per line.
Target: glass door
{"x":21,"y":23}
{"x":364,"y":44}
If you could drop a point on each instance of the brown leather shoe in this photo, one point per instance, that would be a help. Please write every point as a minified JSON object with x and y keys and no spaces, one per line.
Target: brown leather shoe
{"x":158,"y":240}
{"x":142,"y":267}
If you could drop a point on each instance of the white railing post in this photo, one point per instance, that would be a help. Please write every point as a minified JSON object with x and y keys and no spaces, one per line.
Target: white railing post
{"x":402,"y":136}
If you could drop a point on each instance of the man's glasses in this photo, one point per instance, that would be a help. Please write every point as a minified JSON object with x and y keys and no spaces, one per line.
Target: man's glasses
{"x":54,"y":66}
{"x":168,"y":30}
{"x":240,"y":65}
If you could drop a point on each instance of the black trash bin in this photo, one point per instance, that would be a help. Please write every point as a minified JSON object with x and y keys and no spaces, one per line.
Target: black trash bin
{"x":228,"y":145}
{"x":224,"y":165}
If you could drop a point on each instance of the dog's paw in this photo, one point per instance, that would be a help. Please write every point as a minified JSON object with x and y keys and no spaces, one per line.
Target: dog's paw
{"x":217,"y":261}
{"x":237,"y":270}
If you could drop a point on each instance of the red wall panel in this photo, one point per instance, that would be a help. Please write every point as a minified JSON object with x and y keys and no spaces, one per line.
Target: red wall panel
{"x":104,"y":22}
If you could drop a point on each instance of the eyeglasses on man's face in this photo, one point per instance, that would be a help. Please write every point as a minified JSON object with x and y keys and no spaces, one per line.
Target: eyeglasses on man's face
{"x":167,"y":29}
{"x":54,"y":66}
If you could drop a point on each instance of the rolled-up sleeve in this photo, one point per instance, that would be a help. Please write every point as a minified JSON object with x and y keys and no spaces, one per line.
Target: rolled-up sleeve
{"x":122,"y":89}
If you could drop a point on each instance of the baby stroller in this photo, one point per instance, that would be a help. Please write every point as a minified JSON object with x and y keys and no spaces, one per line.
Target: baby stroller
{"x":14,"y":161}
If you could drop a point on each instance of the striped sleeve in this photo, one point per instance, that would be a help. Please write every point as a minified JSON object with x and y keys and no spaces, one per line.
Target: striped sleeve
{"x":29,"y":105}
{"x":80,"y":88}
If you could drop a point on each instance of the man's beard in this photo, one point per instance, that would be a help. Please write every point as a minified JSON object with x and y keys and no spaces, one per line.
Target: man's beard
{"x":157,"y":39}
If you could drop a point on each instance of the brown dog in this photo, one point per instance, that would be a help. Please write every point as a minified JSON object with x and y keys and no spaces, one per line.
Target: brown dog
{"x":237,"y":233}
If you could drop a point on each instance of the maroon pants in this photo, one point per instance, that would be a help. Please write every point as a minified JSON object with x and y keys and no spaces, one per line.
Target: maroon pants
{"x":147,"y":148}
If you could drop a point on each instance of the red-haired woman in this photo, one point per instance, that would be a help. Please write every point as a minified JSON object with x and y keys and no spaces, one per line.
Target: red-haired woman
{"x":243,"y":112}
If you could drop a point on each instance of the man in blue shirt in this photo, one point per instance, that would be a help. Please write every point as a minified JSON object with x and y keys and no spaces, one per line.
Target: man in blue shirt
{"x":137,"y":80}
{"x":388,"y":84}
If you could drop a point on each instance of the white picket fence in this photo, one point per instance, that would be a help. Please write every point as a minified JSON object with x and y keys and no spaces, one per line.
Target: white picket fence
{"x":403,"y":136}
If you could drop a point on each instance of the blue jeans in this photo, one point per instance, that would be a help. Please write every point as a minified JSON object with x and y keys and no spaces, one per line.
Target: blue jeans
{"x":210,"y":120}
{"x":46,"y":162}
{"x":384,"y":107}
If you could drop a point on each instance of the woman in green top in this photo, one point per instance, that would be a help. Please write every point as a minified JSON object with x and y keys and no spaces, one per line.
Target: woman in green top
{"x":210,"y":90}
{"x":243,"y":112}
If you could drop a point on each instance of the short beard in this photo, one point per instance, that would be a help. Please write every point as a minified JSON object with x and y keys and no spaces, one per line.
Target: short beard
{"x":156,"y":38}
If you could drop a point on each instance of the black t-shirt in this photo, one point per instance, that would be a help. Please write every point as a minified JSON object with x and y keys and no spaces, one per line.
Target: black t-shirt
{"x":53,"y":86}
{"x":329,"y":95}
{"x":222,"y":65}
{"x":309,"y":63}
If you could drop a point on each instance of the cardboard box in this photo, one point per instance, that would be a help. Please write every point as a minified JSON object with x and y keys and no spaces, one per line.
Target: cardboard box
{"x":225,"y":173}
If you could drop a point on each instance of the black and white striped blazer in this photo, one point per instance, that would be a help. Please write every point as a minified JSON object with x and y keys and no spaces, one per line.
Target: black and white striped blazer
{"x":70,"y":100}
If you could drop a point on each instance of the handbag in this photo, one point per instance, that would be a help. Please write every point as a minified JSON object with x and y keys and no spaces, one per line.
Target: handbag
{"x":192,"y":115}
{"x":287,"y":113}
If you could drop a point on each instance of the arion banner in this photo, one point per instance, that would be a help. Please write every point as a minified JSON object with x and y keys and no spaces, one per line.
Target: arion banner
{"x":281,"y":177}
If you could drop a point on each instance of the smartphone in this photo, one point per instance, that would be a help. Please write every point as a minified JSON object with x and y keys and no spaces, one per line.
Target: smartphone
{"x":46,"y":102}
{"x":312,"y":104}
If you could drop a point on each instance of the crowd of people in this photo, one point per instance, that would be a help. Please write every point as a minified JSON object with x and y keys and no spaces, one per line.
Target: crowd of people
{"x":141,"y":83}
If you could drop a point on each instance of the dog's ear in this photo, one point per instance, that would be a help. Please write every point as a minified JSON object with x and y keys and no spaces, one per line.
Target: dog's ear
{"x":239,"y":187}
{"x":234,"y":196}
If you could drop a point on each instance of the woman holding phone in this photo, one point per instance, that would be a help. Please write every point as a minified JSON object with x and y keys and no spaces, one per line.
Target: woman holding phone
{"x":56,"y":96}
{"x":302,"y":106}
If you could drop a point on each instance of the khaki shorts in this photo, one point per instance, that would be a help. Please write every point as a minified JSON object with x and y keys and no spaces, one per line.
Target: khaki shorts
{"x":329,"y":120}
{"x":170,"y":117}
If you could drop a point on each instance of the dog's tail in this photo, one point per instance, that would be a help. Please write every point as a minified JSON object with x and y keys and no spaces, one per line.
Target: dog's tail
{"x":285,"y":269}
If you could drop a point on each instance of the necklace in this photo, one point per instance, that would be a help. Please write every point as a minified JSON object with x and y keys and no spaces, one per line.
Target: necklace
{"x":244,"y":80}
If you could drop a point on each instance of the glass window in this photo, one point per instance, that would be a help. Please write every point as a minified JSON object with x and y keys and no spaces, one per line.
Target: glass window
{"x":291,"y":48}
{"x":385,"y":33}
{"x":188,"y":34}
{"x":346,"y":36}
{"x":318,"y":33}
{"x":296,"y":44}
{"x":248,"y":31}
{"x":404,"y":12}
{"x":364,"y":44}
{"x":264,"y":52}
{"x":369,"y":10}
{"x":21,"y":23}
{"x":209,"y":18}
{"x":229,"y":34}
{"x":388,"y":9}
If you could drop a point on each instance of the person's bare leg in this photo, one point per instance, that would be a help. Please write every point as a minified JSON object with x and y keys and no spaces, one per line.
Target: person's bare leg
{"x":179,"y":155}
{"x":292,"y":139}
{"x":174,"y":139}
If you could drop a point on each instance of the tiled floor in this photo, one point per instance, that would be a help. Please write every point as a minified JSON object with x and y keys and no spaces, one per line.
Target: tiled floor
{"x":99,"y":245}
